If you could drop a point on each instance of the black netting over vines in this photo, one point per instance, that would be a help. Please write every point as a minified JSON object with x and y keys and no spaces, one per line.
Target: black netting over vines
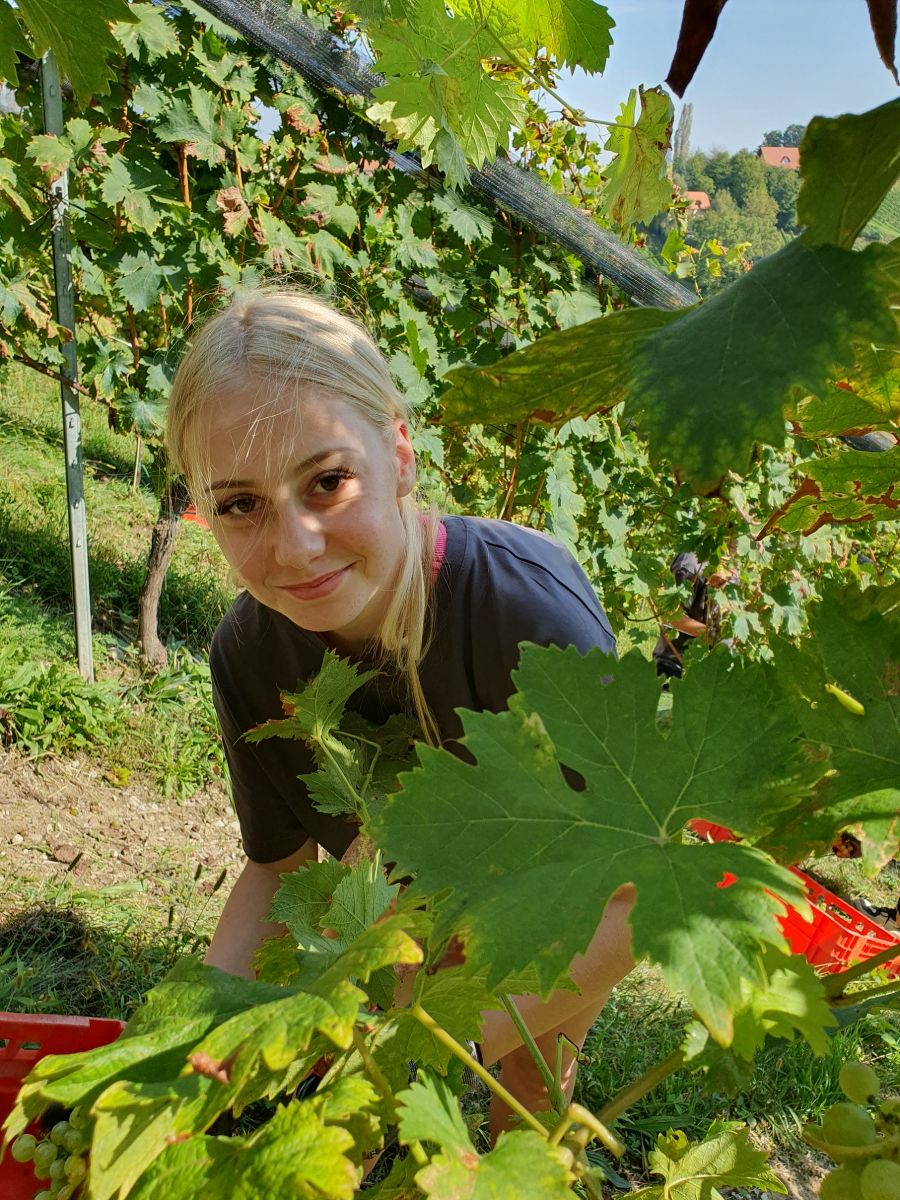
{"x":320,"y":58}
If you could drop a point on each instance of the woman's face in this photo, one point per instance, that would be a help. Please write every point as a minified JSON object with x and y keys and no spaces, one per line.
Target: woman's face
{"x":305,"y":497}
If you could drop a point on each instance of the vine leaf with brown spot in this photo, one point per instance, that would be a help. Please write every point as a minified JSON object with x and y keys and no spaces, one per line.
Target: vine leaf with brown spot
{"x":843,"y":488}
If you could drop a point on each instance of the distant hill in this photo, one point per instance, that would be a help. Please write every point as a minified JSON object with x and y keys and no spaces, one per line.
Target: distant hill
{"x":885,"y":225}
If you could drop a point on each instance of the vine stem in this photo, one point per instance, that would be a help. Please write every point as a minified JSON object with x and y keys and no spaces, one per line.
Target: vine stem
{"x":552,"y":1084}
{"x":868,"y":994}
{"x":485,"y":1076}
{"x":640,"y":1086}
{"x":28,"y":361}
{"x":585,"y":1117}
{"x":872,"y":1150}
{"x":836,"y":984}
{"x":373,"y":1070}
{"x":510,"y":57}
{"x":380,"y":1080}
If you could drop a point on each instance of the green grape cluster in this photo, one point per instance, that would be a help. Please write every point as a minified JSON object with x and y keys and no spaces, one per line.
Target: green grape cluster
{"x":862,"y":1135}
{"x":59,"y":1160}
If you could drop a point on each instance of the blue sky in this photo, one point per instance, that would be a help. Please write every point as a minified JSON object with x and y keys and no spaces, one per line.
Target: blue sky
{"x":771,"y":63}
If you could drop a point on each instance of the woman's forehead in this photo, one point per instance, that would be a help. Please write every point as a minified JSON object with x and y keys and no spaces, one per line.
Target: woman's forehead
{"x":275,"y":429}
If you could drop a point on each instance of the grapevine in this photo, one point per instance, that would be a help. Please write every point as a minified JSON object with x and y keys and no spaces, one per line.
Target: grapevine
{"x":666,"y":407}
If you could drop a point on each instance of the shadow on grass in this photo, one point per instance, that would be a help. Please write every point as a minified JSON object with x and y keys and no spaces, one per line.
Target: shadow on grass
{"x":96,"y":449}
{"x":38,"y":560}
{"x":54,"y":959}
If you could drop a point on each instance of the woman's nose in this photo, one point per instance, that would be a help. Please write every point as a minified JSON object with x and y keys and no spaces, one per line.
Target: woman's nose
{"x":298,"y":536}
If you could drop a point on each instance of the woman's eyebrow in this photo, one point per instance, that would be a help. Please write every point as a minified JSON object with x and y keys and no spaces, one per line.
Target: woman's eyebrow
{"x":313,"y":460}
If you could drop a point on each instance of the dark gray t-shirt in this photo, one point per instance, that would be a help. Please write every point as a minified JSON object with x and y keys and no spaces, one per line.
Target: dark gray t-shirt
{"x":499,"y":584}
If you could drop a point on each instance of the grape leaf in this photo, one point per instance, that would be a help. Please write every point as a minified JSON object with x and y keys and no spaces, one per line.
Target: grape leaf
{"x":399,"y":1184}
{"x":134,"y":185}
{"x":456,"y":1000}
{"x":314,"y":714}
{"x":9,"y":191}
{"x":855,"y":647}
{"x":303,"y":900}
{"x":577,"y":33}
{"x":563,"y":375}
{"x":858,"y":406}
{"x":343,"y":900}
{"x":202,"y":123}
{"x":637,"y":186}
{"x":295,"y":1153}
{"x":707,"y":383}
{"x":522,"y":1163}
{"x":141,"y":413}
{"x":791,"y":1001}
{"x":698,"y":1172}
{"x":189,"y":1002}
{"x":51,"y":154}
{"x":514,"y":846}
{"x":382,"y":945}
{"x":140,"y":279}
{"x":323,"y":198}
{"x":849,"y":164}
{"x":841,"y":488}
{"x":148,"y":28}
{"x":82,"y":47}
{"x":467,"y":222}
{"x":436,"y":85}
{"x":359,"y":899}
{"x":707,"y":387}
{"x":132,"y":1122}
{"x":11,"y":39}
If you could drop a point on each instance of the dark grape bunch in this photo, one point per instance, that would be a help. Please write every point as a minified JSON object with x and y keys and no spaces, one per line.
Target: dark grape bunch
{"x":862,"y":1135}
{"x":59,"y":1159}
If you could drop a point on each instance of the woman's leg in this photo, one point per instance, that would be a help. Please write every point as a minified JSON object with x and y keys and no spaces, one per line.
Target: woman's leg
{"x":607,"y":961}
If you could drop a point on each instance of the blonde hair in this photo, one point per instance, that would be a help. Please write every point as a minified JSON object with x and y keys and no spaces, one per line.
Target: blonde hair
{"x":281,"y":337}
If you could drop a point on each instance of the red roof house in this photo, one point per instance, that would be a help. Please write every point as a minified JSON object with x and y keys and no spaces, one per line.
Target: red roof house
{"x":697,"y":201}
{"x":780,"y":156}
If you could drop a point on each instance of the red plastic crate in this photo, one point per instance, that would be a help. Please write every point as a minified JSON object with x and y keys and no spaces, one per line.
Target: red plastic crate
{"x":838,"y":934}
{"x":25,"y":1038}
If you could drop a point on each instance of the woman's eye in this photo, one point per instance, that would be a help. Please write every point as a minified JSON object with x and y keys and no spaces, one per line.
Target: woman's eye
{"x":331,"y":481}
{"x":238,"y":506}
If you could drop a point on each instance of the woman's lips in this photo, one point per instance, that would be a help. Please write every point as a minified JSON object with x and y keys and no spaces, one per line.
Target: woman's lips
{"x":323,"y":586}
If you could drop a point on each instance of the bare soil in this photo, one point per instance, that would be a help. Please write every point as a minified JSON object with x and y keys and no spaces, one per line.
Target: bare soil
{"x":61,"y":820}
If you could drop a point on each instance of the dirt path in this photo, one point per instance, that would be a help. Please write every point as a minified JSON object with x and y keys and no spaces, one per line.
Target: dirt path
{"x":61,"y":820}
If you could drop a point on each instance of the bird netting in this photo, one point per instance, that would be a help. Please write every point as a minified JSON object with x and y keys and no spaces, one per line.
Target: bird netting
{"x":320,"y":58}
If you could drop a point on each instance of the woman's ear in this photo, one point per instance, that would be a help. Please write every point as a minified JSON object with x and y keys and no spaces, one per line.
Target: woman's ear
{"x":405,"y":458}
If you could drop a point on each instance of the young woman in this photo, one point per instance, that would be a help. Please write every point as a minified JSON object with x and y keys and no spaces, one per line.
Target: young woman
{"x":295,"y":443}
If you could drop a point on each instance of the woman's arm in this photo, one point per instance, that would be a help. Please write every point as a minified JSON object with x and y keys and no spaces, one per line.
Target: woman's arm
{"x":242,"y":927}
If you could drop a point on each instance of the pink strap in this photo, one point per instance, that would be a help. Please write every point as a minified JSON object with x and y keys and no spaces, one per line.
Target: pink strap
{"x":440,"y":545}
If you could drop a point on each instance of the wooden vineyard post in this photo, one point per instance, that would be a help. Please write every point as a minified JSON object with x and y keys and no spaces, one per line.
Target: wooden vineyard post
{"x":51,"y":92}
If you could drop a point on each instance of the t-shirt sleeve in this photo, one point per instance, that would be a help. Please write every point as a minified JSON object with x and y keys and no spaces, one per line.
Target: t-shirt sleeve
{"x":534,"y":593}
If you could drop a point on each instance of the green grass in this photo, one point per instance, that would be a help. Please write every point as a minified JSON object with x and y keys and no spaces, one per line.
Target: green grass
{"x":34,"y":555}
{"x":787,"y":1085}
{"x":95,"y":952}
{"x":161,"y":721}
